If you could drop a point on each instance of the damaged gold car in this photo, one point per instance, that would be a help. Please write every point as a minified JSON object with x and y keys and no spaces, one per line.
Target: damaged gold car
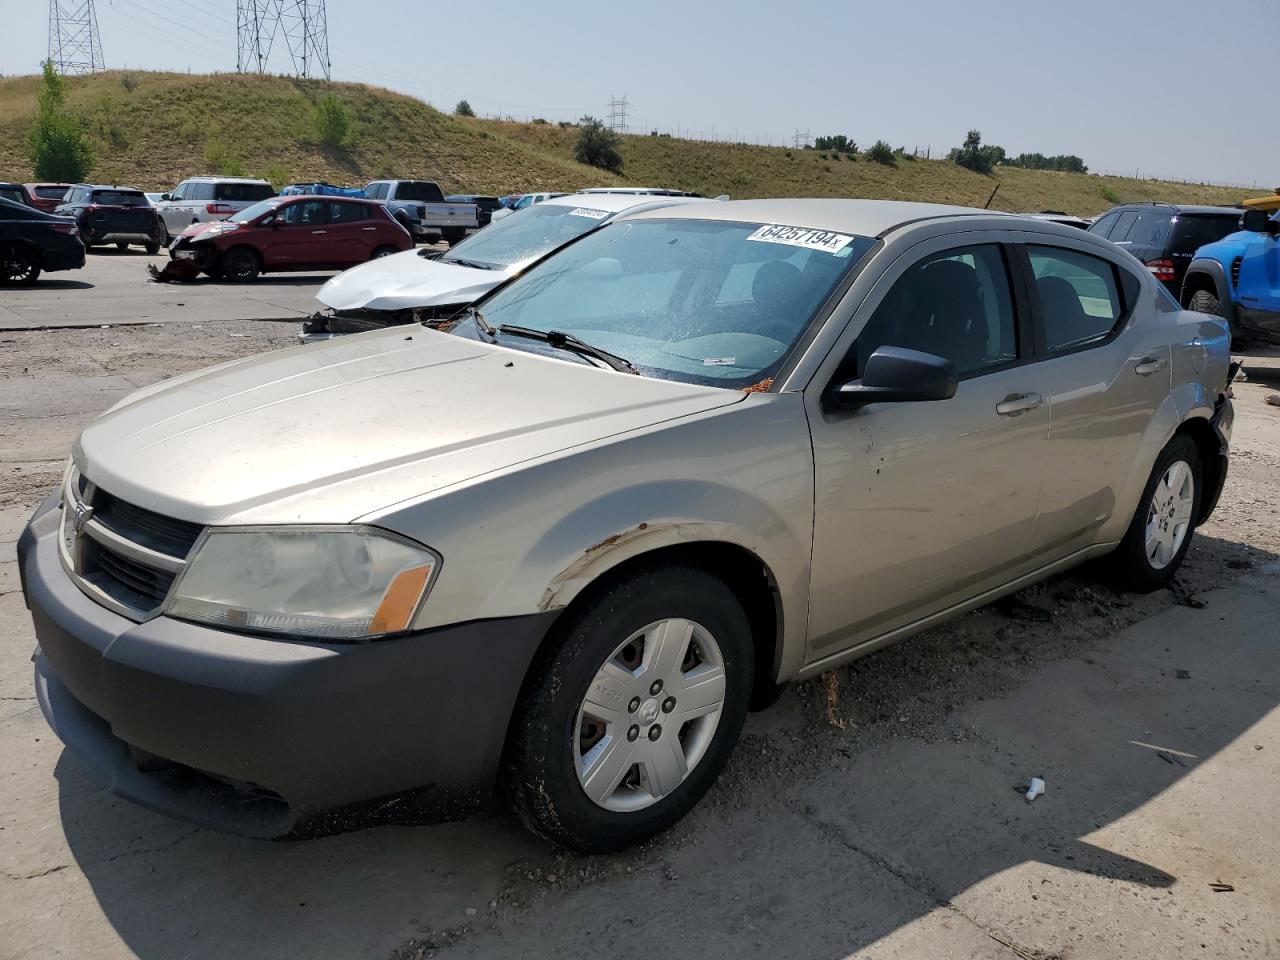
{"x":564,"y":545}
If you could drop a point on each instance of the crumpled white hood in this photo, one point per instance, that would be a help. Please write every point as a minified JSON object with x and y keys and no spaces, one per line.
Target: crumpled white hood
{"x":404,"y":281}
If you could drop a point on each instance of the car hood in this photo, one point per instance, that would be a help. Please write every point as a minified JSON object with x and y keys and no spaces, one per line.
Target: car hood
{"x":332,"y":432}
{"x":214,"y":228}
{"x":406,"y":280}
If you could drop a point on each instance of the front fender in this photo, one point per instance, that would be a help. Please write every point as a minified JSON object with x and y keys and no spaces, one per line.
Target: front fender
{"x":1216,"y":274}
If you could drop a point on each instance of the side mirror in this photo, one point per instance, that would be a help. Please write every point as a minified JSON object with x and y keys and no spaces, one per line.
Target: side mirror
{"x":166,"y":196}
{"x":1259,"y":221}
{"x":898,"y":375}
{"x":272,"y":222}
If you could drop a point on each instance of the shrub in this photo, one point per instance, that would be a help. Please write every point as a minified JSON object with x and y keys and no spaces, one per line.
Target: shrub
{"x":597,"y":146}
{"x":974,"y":156}
{"x":56,"y":143}
{"x":837,"y":143}
{"x":880,"y":152}
{"x":539,"y":121}
{"x":329,"y":118}
{"x":463,"y":109}
{"x":1110,"y":196}
{"x":128,"y":81}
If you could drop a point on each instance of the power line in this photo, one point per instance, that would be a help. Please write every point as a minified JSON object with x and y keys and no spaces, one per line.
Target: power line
{"x":74,"y":44}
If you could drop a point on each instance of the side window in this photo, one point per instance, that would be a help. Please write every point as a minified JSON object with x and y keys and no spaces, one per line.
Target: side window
{"x":1079,"y":298}
{"x":957,"y":304}
{"x":378,"y":191}
{"x":308,"y":213}
{"x":1103,"y":226}
{"x":1120,"y":232}
{"x":1150,"y":230}
{"x":180,"y":191}
{"x":347,"y":212}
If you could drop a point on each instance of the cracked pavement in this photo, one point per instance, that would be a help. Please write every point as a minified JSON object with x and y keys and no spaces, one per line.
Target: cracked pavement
{"x":903,"y":835}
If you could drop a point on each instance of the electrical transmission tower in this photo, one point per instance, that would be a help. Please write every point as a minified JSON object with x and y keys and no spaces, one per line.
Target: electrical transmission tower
{"x":304,"y":26}
{"x":800,"y":140}
{"x":74,"y":44}
{"x":618,"y":113}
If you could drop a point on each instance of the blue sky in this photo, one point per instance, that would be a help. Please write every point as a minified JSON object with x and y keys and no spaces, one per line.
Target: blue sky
{"x":1176,"y":89}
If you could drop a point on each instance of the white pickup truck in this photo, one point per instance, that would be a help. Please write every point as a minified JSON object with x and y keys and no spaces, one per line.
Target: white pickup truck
{"x":421,"y":208}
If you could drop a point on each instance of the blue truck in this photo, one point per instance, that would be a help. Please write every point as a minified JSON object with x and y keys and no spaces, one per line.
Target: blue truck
{"x":1238,"y":277}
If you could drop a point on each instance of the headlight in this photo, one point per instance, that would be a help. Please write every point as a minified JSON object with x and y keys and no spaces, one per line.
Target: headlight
{"x":336,"y":583}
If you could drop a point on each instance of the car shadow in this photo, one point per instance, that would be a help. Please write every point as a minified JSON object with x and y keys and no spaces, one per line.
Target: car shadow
{"x":59,"y":284}
{"x":817,"y":842}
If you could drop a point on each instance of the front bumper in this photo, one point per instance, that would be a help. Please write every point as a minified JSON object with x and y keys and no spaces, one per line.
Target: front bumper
{"x":271,"y":738}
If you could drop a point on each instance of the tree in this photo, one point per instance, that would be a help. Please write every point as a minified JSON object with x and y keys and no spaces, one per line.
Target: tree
{"x":463,"y":109}
{"x":56,"y":143}
{"x":329,"y":117}
{"x":881,"y":152}
{"x":837,"y":143}
{"x":974,"y":156}
{"x":597,"y":145}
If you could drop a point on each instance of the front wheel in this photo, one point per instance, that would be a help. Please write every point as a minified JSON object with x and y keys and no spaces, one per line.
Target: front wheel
{"x":383,"y":251}
{"x":629,"y":719}
{"x":240,"y":265}
{"x":1160,"y":533}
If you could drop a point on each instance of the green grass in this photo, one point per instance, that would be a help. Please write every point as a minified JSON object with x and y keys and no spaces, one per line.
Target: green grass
{"x":153,"y":129}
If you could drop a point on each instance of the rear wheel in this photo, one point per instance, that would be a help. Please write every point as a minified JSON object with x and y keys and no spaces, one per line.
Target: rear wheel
{"x":153,"y":248}
{"x":240,"y":265}
{"x":1160,"y":533}
{"x":383,"y":252}
{"x":629,"y":719}
{"x":19,"y":266}
{"x":122,"y":245}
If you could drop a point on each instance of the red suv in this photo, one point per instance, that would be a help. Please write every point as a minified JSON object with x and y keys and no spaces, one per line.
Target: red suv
{"x":292,"y":233}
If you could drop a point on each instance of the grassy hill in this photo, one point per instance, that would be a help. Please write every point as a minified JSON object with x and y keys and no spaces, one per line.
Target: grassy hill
{"x":153,"y":129}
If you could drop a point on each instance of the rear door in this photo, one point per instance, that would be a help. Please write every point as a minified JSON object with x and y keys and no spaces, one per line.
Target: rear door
{"x":1105,"y":373}
{"x":353,"y":234}
{"x":920,"y":506}
{"x":302,"y":240}
{"x":175,"y":218}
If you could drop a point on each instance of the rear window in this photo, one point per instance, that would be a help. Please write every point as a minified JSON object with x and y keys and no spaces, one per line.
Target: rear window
{"x":51,"y":193}
{"x":1191,"y":231}
{"x":243,"y":192}
{"x":420,"y":191}
{"x":120,"y":198}
{"x":1150,"y":230}
{"x":13,"y":193}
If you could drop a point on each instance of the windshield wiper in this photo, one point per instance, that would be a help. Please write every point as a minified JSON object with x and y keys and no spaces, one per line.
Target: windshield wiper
{"x":473,"y":264}
{"x":565,"y":341}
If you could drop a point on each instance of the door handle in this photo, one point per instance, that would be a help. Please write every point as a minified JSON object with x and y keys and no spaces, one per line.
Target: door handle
{"x":369,"y":229}
{"x":316,"y":233}
{"x":1149,"y":365}
{"x":1017,"y":403}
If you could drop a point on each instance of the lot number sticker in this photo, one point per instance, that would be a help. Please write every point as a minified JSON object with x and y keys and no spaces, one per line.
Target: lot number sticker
{"x":584,"y":212}
{"x":801,"y":237}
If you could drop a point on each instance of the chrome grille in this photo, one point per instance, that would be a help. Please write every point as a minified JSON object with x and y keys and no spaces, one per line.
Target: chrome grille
{"x":121,"y":555}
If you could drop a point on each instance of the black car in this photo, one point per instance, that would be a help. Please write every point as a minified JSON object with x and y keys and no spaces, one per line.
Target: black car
{"x":484,"y":205}
{"x":32,"y":240}
{"x":119,"y":215}
{"x":1165,"y":236}
{"x":17,"y":193}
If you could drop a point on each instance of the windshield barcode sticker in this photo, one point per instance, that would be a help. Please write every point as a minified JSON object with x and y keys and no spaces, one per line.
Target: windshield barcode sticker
{"x":801,"y":237}
{"x":585,"y":212}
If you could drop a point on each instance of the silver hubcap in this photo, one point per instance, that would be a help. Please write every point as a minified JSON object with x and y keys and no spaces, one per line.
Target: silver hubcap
{"x":1169,"y":515}
{"x":649,"y":715}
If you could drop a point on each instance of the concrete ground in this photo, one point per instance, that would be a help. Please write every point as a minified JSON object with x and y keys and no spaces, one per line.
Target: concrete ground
{"x":879,"y":817}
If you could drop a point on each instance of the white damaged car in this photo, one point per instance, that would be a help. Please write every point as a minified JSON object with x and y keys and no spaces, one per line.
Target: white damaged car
{"x":425,"y":284}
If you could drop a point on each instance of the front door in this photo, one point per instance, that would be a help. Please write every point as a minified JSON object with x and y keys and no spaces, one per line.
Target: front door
{"x":302,"y":239}
{"x":1259,"y":286}
{"x":920,"y":506}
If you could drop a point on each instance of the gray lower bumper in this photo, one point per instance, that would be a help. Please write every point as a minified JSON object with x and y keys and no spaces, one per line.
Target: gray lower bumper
{"x":263,"y":737}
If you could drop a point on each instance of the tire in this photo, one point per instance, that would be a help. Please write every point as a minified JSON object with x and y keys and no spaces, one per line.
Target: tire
{"x":240,"y":265}
{"x":19,"y":266}
{"x":454,"y":237}
{"x":121,"y":245}
{"x":553,"y":730}
{"x":383,"y":251}
{"x":1147,"y":559}
{"x":165,"y":239}
{"x":153,"y":249}
{"x":1205,"y":301}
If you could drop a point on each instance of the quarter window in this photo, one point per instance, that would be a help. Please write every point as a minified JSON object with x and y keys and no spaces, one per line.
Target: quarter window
{"x":1079,"y":299}
{"x":1120,"y":231}
{"x":956,"y":304}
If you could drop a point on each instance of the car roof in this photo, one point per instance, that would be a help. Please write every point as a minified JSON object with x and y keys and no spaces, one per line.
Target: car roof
{"x":1177,"y":208}
{"x":224,"y":180}
{"x":105,"y":186}
{"x":612,"y":202}
{"x":868,"y":218}
{"x":293,"y":197}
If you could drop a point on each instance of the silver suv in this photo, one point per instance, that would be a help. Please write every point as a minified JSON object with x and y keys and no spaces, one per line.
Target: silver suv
{"x":205,"y":199}
{"x":567,"y":539}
